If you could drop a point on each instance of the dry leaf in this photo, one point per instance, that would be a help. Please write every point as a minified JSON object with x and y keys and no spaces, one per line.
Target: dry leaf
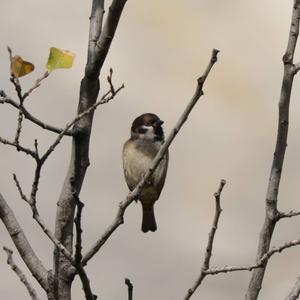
{"x":20,"y":67}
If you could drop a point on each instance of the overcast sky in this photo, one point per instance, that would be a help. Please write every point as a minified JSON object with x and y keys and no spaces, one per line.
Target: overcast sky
{"x":159,"y":50}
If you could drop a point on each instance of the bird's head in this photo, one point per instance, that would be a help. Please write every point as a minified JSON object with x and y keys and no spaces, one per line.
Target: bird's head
{"x":147,"y":127}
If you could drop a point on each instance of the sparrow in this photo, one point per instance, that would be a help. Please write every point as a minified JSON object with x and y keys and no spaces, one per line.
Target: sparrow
{"x":147,"y":137}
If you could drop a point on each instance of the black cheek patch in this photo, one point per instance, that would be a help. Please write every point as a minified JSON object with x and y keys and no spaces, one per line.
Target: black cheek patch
{"x":159,"y":132}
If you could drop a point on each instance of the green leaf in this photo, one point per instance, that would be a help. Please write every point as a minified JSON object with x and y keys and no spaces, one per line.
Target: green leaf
{"x":59,"y":59}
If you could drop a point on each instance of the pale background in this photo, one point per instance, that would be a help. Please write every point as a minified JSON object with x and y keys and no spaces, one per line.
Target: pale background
{"x":159,"y":50}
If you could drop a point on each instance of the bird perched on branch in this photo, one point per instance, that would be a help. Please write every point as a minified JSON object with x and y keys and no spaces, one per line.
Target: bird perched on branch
{"x":147,"y":137}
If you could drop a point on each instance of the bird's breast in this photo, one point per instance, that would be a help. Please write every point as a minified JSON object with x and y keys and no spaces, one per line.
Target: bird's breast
{"x":136,"y":162}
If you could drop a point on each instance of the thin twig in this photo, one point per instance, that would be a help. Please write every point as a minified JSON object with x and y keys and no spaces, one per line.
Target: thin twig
{"x":119,"y":219}
{"x":36,"y":148}
{"x":42,"y":224}
{"x":210,"y":243}
{"x":104,"y":99}
{"x":18,"y":147}
{"x":6,"y":99}
{"x":290,"y":214}
{"x":109,"y":79}
{"x":259,"y":264}
{"x":75,"y":262}
{"x":295,"y":292}
{"x":36,"y":85}
{"x":130,"y":288}
{"x":20,"y":274}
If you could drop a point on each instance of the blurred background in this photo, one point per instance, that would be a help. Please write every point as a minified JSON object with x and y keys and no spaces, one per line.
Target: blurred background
{"x":159,"y":50}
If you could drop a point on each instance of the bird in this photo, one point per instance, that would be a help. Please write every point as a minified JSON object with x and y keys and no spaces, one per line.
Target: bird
{"x":147,"y":137}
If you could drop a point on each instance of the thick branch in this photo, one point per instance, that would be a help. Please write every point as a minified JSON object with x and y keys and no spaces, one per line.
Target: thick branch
{"x":34,"y":265}
{"x":273,"y":187}
{"x":77,"y":221}
{"x":79,"y":162}
{"x":210,"y":243}
{"x":95,"y":27}
{"x":20,"y":274}
{"x":98,"y":51}
{"x":119,"y":219}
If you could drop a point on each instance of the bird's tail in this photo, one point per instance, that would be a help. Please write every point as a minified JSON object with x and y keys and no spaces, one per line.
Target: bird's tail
{"x":148,"y":223}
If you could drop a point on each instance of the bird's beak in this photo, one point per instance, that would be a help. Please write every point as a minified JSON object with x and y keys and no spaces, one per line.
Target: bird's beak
{"x":158,"y":123}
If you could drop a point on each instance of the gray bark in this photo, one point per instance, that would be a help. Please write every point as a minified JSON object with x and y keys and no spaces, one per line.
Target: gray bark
{"x":272,"y":214}
{"x":99,"y":44}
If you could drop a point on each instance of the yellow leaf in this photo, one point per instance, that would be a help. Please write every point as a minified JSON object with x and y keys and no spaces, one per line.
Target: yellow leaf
{"x":20,"y":67}
{"x":59,"y":59}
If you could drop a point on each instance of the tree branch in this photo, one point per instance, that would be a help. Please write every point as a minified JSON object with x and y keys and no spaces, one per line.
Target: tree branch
{"x":79,"y":160}
{"x":295,"y":292}
{"x":20,"y":274}
{"x":29,"y":257}
{"x":96,"y":20}
{"x":210,"y":243}
{"x":18,"y":147}
{"x":259,"y":264}
{"x":77,"y":221}
{"x":130,"y":288}
{"x":119,"y":219}
{"x":271,"y":216}
{"x":290,"y":214}
{"x":6,"y":99}
{"x":39,"y":220}
{"x":98,"y":51}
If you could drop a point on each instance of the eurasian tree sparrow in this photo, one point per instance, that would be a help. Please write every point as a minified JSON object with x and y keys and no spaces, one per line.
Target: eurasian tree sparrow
{"x":147,"y":136}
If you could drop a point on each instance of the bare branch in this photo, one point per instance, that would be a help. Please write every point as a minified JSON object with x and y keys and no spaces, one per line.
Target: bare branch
{"x":98,"y":52}
{"x":19,"y":128}
{"x":295,"y":292}
{"x":36,"y":85}
{"x":104,"y":99}
{"x":259,"y":264}
{"x":271,"y":216}
{"x":33,"y":263}
{"x":79,"y":162}
{"x":18,"y":147}
{"x":20,"y":274}
{"x":210,"y":243}
{"x":77,"y":221}
{"x":22,"y":195}
{"x":296,"y":68}
{"x":36,"y":148}
{"x":95,"y":27}
{"x":290,"y":214}
{"x":75,"y":262}
{"x":39,"y":220}
{"x":85,"y":283}
{"x":5,"y":99}
{"x":119,"y":219}
{"x":130,"y":288}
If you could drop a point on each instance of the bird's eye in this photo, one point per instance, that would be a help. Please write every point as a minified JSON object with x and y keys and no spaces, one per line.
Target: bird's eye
{"x":142,"y":130}
{"x":148,"y":124}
